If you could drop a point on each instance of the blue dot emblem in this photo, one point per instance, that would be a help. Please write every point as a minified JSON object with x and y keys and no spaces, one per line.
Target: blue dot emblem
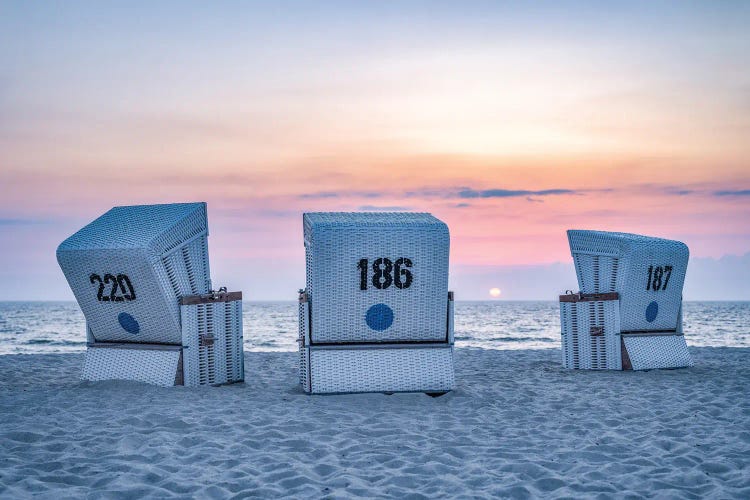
{"x":379,"y":317}
{"x":128,"y":323}
{"x":651,"y":311}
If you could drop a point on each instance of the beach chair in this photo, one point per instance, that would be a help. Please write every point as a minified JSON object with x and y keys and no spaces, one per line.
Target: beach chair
{"x":376,"y":315}
{"x":141,"y":277}
{"x":628,"y":312}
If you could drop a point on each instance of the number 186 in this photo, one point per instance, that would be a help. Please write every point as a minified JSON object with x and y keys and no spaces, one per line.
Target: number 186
{"x":385,"y":272}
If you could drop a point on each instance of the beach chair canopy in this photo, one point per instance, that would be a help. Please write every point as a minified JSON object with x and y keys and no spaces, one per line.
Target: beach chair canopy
{"x":648,"y":274}
{"x":129,"y":268}
{"x":376,"y":277}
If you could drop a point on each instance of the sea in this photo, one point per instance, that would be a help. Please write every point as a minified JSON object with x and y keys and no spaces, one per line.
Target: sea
{"x":59,"y":327}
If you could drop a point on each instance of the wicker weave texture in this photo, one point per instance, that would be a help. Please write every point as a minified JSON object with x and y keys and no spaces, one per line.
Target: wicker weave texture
{"x":666,"y":351}
{"x":427,"y":369}
{"x":303,"y":341}
{"x":162,"y":250}
{"x":158,"y":367}
{"x":212,"y":337}
{"x":632,"y":265}
{"x":374,"y":368}
{"x":157,"y":228}
{"x":354,"y":275}
{"x":451,"y":321}
{"x":591,"y":335}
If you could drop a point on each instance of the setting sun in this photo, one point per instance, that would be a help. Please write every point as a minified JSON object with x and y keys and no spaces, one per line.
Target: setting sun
{"x":495,"y":292}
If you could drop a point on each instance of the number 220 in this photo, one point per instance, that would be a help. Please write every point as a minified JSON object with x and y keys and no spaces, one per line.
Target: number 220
{"x":120,"y":281}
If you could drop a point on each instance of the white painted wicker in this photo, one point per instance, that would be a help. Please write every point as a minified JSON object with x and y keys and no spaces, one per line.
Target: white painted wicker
{"x":631,"y":296}
{"x":366,"y":268}
{"x":591,"y":333}
{"x":374,"y":315}
{"x":129,"y":268}
{"x":647,"y":352}
{"x":381,"y":369}
{"x":357,"y":367}
{"x":620,"y":262}
{"x":141,"y":277}
{"x":157,"y":365}
{"x":212,"y":342}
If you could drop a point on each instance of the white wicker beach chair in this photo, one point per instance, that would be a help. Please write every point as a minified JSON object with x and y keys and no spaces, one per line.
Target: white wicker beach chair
{"x":628,"y":313}
{"x":141,"y":277}
{"x":376,"y":315}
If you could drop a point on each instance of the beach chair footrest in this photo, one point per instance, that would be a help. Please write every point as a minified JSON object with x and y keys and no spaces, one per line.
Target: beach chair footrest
{"x":648,"y":352}
{"x":150,"y":363}
{"x":379,"y":369}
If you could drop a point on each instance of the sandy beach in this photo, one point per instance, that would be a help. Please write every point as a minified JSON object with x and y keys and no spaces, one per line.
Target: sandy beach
{"x":517,"y":426}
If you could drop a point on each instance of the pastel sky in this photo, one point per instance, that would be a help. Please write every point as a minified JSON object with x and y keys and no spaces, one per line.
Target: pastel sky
{"x":512,"y":122}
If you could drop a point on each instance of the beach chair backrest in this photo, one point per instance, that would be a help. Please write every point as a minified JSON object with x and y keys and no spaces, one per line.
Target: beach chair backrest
{"x":376,"y":277}
{"x":647,"y":272}
{"x":129,"y":268}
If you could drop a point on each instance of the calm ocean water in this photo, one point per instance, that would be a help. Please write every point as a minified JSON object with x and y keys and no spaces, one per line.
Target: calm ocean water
{"x":50,"y":327}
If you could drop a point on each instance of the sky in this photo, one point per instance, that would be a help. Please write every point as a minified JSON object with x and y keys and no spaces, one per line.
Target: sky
{"x":510,"y":121}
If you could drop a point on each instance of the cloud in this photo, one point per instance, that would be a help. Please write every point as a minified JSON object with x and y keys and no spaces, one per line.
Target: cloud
{"x":450,"y":193}
{"x":468,"y":193}
{"x":320,"y":195}
{"x":340,"y":194}
{"x":430,"y":193}
{"x":375,"y":208}
{"x":739,"y":192}
{"x":531,"y":195}
{"x":279,"y":213}
{"x":511,"y":193}
{"x":22,"y":222}
{"x":679,"y":192}
{"x":726,"y":278}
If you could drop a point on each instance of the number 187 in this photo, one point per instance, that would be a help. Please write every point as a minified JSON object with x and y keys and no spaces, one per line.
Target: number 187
{"x":658,"y":277}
